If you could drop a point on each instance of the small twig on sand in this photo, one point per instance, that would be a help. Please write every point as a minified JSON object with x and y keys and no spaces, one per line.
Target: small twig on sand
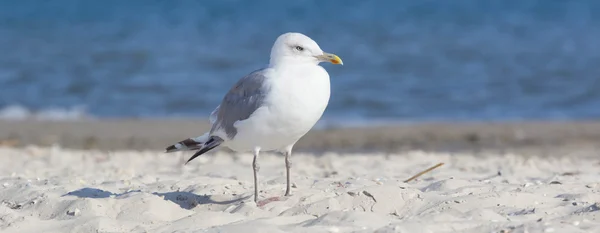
{"x":423,"y":172}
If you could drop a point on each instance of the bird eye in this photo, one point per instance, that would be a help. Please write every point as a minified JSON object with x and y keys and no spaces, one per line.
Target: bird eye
{"x":299,"y":48}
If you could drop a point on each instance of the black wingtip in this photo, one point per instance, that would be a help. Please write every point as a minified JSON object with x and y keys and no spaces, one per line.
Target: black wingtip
{"x":200,"y":152}
{"x":212,"y":143}
{"x":171,"y":148}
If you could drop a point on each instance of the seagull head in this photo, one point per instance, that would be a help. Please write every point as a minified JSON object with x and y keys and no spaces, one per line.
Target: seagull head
{"x":297,"y":48}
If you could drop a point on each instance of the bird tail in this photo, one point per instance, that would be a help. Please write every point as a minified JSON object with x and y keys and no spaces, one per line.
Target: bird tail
{"x":203,"y":144}
{"x":188,"y":144}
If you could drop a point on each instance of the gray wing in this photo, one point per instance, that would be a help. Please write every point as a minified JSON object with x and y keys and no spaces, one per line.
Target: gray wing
{"x":213,"y":115}
{"x":247,"y":95}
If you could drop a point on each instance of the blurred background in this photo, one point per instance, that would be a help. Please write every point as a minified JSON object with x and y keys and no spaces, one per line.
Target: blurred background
{"x":404,"y":60}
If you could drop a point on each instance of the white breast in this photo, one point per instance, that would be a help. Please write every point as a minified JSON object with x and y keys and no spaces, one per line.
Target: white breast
{"x":297,"y":100}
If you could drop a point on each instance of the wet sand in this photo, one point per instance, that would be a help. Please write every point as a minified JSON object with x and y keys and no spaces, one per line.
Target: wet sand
{"x":132,"y":134}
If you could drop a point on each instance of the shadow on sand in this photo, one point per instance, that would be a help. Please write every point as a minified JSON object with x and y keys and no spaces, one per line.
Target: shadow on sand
{"x":186,"y":200}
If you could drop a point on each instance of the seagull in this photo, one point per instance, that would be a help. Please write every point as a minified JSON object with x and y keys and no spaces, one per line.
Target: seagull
{"x":270,"y":109}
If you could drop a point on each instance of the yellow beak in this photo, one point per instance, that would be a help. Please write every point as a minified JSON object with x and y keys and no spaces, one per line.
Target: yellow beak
{"x":330,"y":57}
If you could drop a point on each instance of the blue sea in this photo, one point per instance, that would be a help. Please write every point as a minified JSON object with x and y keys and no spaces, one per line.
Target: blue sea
{"x":404,"y":60}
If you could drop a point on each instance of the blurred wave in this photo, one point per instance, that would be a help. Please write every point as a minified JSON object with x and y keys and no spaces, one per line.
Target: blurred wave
{"x":405,"y":59}
{"x":17,"y":112}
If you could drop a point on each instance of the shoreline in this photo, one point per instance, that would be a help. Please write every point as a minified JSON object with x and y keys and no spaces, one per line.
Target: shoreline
{"x":495,"y":177}
{"x":156,"y":134}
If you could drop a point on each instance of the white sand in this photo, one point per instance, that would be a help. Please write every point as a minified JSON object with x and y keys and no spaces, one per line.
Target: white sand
{"x":59,"y":190}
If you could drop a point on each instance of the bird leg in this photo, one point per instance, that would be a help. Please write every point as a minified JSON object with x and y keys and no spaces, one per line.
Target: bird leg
{"x":256,"y":168}
{"x":288,"y":165}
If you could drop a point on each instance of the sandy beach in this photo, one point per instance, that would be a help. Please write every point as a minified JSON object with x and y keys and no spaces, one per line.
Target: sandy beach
{"x":64,"y":190}
{"x":111,"y":176}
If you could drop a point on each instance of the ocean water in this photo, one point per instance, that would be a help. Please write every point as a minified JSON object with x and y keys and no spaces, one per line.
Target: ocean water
{"x":404,"y":60}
